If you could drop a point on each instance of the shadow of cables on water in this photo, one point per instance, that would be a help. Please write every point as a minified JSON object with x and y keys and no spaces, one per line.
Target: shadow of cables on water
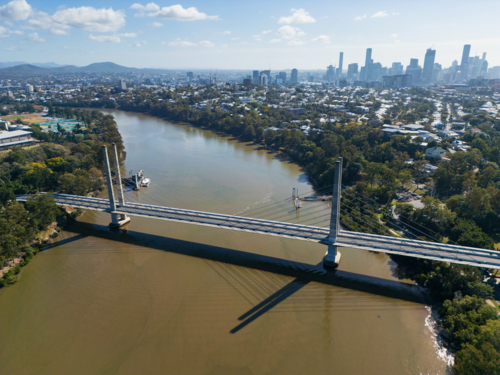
{"x":235,"y":266}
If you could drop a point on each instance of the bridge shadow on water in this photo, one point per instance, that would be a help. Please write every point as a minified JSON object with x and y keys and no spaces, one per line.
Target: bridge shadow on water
{"x":302,"y":273}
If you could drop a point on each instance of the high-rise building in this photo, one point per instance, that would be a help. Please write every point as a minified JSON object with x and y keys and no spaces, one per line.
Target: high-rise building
{"x":430,"y":56}
{"x":341,"y":61}
{"x":464,"y":67}
{"x":295,"y":76}
{"x":282,"y":76}
{"x":267,"y":73}
{"x":330,"y":73}
{"x":396,"y":69}
{"x":190,"y":76}
{"x":123,"y":85}
{"x":263,"y":80}
{"x":415,"y":70}
{"x":29,"y":88}
{"x":368,"y":65}
{"x":352,"y":70}
{"x":376,"y":71}
{"x":255,"y":77}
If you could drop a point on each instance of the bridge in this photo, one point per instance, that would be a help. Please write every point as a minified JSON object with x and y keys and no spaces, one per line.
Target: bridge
{"x":334,"y":237}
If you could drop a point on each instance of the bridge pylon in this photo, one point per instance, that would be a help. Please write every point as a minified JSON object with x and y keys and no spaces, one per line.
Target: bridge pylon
{"x":332,"y":257}
{"x":117,"y":219}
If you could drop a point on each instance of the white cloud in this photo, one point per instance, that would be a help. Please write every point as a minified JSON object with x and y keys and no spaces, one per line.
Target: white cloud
{"x":295,"y":43}
{"x":289,"y":32}
{"x":258,"y":39}
{"x":15,"y":10}
{"x":275,"y":41}
{"x":105,"y":38}
{"x":235,"y":38}
{"x":128,"y":35}
{"x":140,"y":44}
{"x":206,"y":43}
{"x":394,"y":35}
{"x":36,"y":38}
{"x":86,"y":18}
{"x":359,"y":18}
{"x":322,"y":38}
{"x":181,"y":43}
{"x":395,"y":14}
{"x":10,"y":48}
{"x":299,"y":16}
{"x":173,"y":12}
{"x":382,"y":13}
{"x":266,"y":32}
{"x":5,"y":32}
{"x":157,"y":24}
{"x":226,"y":33}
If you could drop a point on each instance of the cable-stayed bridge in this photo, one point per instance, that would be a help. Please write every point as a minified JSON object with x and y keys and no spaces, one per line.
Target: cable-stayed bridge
{"x":333,"y":236}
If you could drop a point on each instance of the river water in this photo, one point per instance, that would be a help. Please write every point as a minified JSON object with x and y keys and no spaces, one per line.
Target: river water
{"x":172,"y":298}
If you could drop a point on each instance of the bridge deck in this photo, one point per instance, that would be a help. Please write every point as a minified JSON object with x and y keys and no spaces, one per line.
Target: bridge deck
{"x":363,"y":241}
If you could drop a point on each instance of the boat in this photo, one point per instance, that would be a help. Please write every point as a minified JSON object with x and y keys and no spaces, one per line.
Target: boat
{"x":145,"y":182}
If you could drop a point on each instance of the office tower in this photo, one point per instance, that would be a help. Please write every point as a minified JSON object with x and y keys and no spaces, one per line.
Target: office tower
{"x":282,"y":76}
{"x":396,"y":69}
{"x":464,"y":67}
{"x":484,"y":66}
{"x":263,"y":80}
{"x":341,"y":61}
{"x":352,"y":70}
{"x":368,"y":64}
{"x":190,"y":76}
{"x":376,"y":71}
{"x":330,"y":73}
{"x":267,"y":73}
{"x":454,"y":65}
{"x":295,"y":76}
{"x":415,"y":70}
{"x":255,"y":77}
{"x":123,"y":85}
{"x":430,"y":56}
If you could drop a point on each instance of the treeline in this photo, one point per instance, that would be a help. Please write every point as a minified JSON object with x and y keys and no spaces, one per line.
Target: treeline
{"x":75,"y":166}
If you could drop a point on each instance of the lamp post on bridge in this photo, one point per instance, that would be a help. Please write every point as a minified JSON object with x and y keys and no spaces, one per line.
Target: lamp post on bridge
{"x":332,"y":257}
{"x":117,"y":220}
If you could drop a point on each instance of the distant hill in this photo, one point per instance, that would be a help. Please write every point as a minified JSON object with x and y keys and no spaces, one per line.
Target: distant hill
{"x":40,"y":65}
{"x":49,"y":68}
{"x":25,"y":69}
{"x":106,"y":67}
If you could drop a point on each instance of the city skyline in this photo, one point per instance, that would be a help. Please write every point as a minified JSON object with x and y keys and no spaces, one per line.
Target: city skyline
{"x":219,"y":35}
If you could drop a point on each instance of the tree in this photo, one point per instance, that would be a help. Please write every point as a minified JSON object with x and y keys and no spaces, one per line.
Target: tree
{"x":473,"y":361}
{"x":467,"y":233}
{"x":43,"y":209}
{"x":249,"y":133}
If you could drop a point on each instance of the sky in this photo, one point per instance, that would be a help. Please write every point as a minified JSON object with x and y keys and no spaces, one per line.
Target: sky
{"x":229,"y":34}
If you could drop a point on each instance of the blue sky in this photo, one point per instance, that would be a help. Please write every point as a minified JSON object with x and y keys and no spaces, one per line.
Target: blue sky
{"x":245,"y":34}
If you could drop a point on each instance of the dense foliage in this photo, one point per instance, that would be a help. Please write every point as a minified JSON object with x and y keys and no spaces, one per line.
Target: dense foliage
{"x":72,"y":165}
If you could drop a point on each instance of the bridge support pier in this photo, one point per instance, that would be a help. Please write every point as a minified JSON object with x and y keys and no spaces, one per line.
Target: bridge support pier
{"x":117,"y":220}
{"x":332,"y":256}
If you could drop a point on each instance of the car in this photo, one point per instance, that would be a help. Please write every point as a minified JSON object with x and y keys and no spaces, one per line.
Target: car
{"x":418,"y":197}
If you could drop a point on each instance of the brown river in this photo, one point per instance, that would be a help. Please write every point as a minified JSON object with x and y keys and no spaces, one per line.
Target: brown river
{"x":159,"y":297}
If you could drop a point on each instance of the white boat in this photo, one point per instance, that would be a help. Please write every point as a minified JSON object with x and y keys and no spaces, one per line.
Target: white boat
{"x":145,"y":182}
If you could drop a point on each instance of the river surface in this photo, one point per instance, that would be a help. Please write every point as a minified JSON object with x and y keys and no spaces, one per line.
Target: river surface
{"x":169,"y":298}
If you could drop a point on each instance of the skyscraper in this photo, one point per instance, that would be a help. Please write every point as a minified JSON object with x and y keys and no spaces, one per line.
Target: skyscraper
{"x":368,"y":65}
{"x":341,"y":61}
{"x":352,"y":70}
{"x":415,"y":70}
{"x":255,"y":77}
{"x":295,"y":76}
{"x":330,"y":73}
{"x":464,"y":67}
{"x":430,"y":56}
